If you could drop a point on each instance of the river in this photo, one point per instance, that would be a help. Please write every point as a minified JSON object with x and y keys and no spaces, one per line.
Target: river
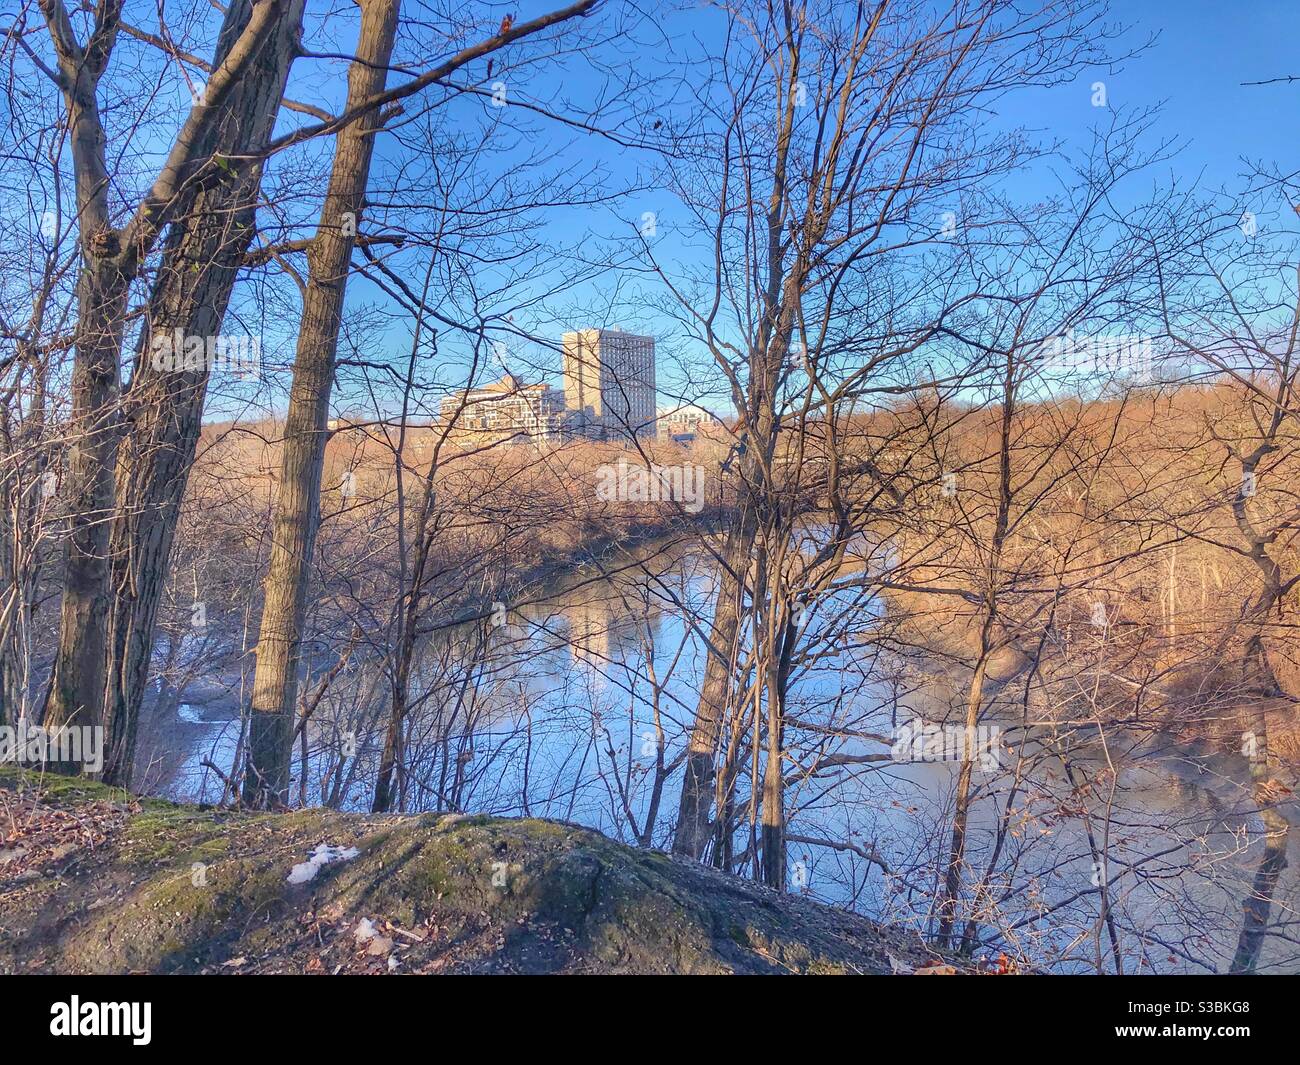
{"x":555,"y":713}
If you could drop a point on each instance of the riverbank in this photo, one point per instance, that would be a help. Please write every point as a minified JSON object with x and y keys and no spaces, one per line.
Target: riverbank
{"x":1077,"y":674}
{"x":93,"y":880}
{"x":171,"y":726}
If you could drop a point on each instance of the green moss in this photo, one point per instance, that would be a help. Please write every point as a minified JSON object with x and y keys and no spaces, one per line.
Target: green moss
{"x":540,"y":830}
{"x":158,"y":835}
{"x":504,"y":895}
{"x":172,"y":923}
{"x":59,"y":788}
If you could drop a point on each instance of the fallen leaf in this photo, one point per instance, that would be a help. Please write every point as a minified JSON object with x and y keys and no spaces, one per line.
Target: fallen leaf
{"x":935,"y":969}
{"x":379,"y":945}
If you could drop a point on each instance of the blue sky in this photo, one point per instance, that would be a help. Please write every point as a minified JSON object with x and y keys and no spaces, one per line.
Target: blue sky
{"x":1204,"y":51}
{"x":1194,"y":72}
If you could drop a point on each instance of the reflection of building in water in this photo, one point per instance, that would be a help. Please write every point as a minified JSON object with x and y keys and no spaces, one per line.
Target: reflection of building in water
{"x":610,"y":626}
{"x":590,"y":621}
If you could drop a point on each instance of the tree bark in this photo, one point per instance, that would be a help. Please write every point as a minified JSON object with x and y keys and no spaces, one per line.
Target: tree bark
{"x":695,"y":808}
{"x":297,"y":506}
{"x":77,"y":684}
{"x":957,"y":852}
{"x":163,"y":408}
{"x":773,"y":824}
{"x":21,"y":531}
{"x":110,"y":261}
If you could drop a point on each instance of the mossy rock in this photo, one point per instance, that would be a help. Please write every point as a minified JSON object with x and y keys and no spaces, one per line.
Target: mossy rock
{"x":181,"y":889}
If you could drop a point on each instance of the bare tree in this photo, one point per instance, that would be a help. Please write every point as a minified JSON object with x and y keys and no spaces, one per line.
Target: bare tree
{"x":162,"y":406}
{"x":820,"y":171}
{"x":297,"y":510}
{"x":111,"y":259}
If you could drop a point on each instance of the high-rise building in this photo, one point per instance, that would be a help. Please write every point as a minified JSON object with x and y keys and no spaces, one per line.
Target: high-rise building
{"x":609,"y":382}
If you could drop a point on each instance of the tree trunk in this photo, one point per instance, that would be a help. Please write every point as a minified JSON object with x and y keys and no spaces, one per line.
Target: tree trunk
{"x":694,"y":812}
{"x":110,"y":261}
{"x":1261,"y":683}
{"x":22,"y":500}
{"x":164,"y":407}
{"x":77,"y":685}
{"x":957,"y":853}
{"x":297,"y":504}
{"x":773,"y":829}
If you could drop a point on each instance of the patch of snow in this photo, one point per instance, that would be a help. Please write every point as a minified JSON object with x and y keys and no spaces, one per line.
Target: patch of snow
{"x":324,"y":854}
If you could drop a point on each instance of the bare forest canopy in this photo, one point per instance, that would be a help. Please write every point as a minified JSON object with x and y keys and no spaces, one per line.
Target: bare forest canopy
{"x":726,"y":427}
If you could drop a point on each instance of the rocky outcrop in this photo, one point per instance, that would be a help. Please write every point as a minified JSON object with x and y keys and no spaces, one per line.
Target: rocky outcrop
{"x":96,"y":881}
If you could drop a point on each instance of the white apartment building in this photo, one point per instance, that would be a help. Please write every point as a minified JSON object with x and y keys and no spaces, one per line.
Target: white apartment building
{"x":508,"y":406}
{"x":683,"y":424}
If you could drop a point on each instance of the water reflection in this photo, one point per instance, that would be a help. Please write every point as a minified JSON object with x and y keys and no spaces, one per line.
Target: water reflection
{"x":579,"y":705}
